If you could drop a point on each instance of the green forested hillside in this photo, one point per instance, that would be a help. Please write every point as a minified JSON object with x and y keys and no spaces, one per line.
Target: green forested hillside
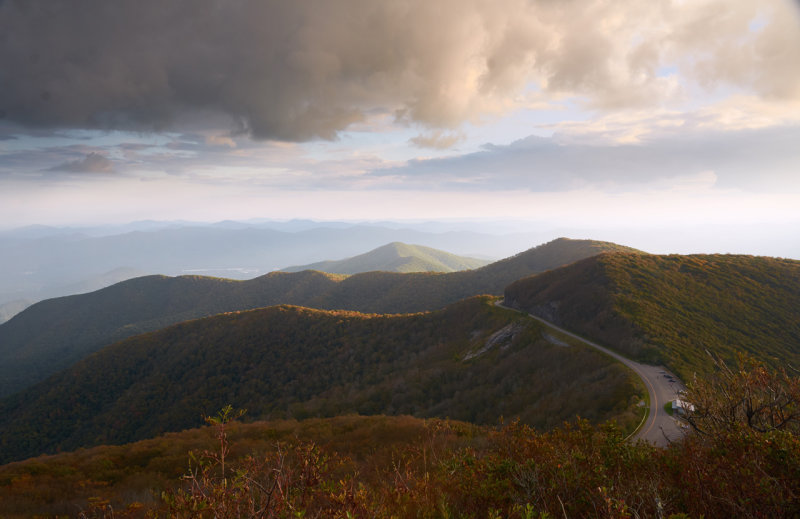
{"x":55,"y":333}
{"x":674,"y":309}
{"x":472,"y":361}
{"x":396,"y":257}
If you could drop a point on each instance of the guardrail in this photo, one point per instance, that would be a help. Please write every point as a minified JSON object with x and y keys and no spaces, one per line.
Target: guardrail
{"x":644,"y":419}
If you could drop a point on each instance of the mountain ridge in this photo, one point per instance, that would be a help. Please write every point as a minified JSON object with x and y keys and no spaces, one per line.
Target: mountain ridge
{"x":674,"y":309}
{"x":39,"y":260}
{"x":396,"y":257}
{"x":470,"y":361}
{"x":55,"y":333}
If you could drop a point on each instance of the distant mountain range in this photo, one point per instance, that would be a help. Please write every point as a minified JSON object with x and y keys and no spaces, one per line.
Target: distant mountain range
{"x":469,"y":361}
{"x":40,"y":262}
{"x":156,"y":354}
{"x":472,"y":361}
{"x":396,"y":257}
{"x":674,"y":309}
{"x":53,"y":334}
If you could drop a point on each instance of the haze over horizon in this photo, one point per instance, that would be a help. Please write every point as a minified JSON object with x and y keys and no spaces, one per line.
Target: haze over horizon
{"x":670,"y":126}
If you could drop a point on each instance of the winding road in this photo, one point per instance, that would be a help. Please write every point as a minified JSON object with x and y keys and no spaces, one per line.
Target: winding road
{"x":659,"y":428}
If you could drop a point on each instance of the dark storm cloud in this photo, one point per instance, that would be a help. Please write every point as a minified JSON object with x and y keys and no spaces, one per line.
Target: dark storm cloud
{"x":300,"y":70}
{"x":284,"y":70}
{"x":91,"y":163}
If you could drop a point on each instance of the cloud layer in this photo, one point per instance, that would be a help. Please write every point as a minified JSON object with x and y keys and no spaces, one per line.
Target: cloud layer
{"x":91,"y":163}
{"x":305,"y":70}
{"x":752,"y":160}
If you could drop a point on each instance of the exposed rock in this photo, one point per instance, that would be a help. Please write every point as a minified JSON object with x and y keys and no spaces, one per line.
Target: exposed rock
{"x":552,"y":340}
{"x":502,"y":338}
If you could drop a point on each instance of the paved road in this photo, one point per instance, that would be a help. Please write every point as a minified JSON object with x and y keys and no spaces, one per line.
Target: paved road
{"x":659,"y":428}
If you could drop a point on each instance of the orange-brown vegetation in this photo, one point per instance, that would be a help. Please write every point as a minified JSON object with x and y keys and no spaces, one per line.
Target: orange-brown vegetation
{"x":405,"y":467}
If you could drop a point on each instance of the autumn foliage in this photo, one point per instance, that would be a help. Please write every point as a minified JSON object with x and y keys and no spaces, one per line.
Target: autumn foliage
{"x":403,"y":467}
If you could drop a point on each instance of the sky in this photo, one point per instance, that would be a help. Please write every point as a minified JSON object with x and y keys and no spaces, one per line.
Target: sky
{"x":592,"y":114}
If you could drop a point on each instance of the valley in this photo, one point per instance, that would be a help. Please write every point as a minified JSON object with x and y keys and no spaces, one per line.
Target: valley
{"x":293,"y":362}
{"x":55,"y":333}
{"x":546,"y":354}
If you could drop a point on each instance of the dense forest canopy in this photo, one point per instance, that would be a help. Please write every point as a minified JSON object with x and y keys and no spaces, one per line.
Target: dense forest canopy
{"x":471,"y":361}
{"x":53,"y":334}
{"x":674,"y":309}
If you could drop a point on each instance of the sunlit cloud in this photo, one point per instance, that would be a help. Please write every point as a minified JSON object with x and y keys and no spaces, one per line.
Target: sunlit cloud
{"x":569,"y":112}
{"x":308,"y":70}
{"x":220,"y":140}
{"x":749,"y":159}
{"x":437,"y":140}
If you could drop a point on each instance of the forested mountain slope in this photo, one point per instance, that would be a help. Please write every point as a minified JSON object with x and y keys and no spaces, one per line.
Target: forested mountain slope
{"x":396,"y":257}
{"x":55,"y":333}
{"x":472,"y":361}
{"x":675,"y":309}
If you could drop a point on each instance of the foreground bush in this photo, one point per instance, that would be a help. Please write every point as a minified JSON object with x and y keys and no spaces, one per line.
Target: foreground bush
{"x":443,"y":469}
{"x":577,"y":471}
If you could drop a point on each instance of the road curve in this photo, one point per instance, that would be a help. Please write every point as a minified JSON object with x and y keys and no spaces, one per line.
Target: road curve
{"x":659,"y":428}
